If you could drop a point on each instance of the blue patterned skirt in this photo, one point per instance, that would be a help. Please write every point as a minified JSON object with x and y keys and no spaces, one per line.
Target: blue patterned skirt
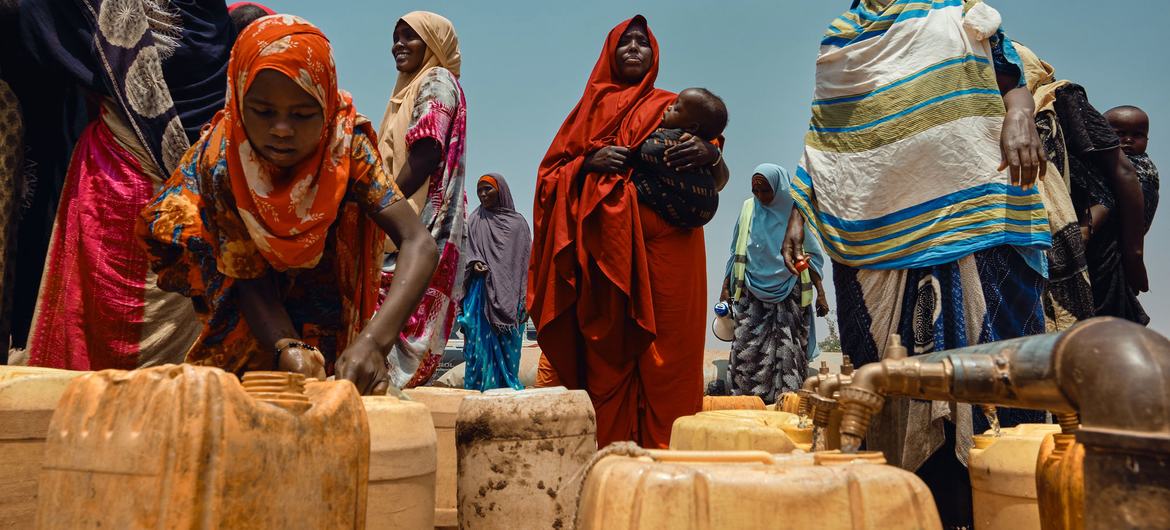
{"x":492,"y":357}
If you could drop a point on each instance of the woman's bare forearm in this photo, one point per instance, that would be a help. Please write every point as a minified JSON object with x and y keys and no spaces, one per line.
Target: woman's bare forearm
{"x":416,"y":262}
{"x":266,"y":316}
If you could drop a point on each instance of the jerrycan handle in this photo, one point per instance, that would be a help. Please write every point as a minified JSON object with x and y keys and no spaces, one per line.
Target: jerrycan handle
{"x":713,"y":457}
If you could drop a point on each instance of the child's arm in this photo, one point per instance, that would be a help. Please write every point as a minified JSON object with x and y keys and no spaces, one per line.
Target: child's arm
{"x":364,"y":361}
{"x":1131,"y":213}
{"x":273,"y":329}
{"x":822,"y":300}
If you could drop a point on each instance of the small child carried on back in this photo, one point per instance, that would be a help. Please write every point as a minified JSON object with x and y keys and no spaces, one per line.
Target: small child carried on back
{"x":683,"y":199}
{"x":1132,"y":125}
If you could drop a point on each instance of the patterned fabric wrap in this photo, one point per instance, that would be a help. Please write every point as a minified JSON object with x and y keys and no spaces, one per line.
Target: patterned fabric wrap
{"x":1148,"y":175}
{"x":683,"y":199}
{"x":201,"y":241}
{"x":893,"y":84}
{"x":99,"y":305}
{"x":1068,"y":297}
{"x":286,"y":216}
{"x":769,"y":355}
{"x":119,"y":47}
{"x":440,"y":114}
{"x":1084,"y":132}
{"x":492,"y":356}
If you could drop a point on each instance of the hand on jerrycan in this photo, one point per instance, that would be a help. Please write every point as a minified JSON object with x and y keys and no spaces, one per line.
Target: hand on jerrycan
{"x":307,"y":361}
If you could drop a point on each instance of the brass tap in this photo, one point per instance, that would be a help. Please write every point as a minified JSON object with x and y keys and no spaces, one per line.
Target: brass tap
{"x":1076,"y":374}
{"x":809,"y":387}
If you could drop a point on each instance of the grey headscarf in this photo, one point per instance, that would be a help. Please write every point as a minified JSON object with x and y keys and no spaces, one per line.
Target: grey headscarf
{"x":500,"y":238}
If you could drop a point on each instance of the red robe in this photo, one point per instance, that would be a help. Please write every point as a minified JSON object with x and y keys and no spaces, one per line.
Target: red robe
{"x":616,"y":294}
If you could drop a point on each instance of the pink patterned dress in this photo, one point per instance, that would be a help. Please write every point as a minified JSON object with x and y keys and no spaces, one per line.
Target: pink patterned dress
{"x":440,"y":113}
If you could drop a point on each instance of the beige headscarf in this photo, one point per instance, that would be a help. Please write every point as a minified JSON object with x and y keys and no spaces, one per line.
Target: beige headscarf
{"x":442,"y":51}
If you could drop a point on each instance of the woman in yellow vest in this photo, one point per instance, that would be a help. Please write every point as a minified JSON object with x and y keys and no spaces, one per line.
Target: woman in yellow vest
{"x":775,"y":336}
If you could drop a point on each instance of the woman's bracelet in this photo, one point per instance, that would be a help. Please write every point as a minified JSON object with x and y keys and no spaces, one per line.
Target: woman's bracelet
{"x":291,"y":344}
{"x":719,"y":158}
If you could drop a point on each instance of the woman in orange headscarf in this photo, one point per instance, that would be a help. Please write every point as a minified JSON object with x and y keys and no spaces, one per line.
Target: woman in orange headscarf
{"x":616,"y":293}
{"x":274,"y":221}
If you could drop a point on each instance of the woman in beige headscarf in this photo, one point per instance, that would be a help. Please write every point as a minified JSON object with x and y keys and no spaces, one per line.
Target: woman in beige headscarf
{"x":423,"y":141}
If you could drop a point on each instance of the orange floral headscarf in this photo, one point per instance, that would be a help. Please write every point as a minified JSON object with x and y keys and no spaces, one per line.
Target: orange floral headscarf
{"x":287,"y":212}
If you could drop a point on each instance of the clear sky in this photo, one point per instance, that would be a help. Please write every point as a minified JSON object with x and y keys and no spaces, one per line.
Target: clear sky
{"x":525,"y":65}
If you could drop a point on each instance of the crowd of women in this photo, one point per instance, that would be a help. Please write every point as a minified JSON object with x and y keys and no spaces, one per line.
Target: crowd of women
{"x":201,"y":190}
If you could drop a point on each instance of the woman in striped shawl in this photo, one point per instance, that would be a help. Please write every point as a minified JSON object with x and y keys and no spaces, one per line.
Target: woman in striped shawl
{"x":919,"y":109}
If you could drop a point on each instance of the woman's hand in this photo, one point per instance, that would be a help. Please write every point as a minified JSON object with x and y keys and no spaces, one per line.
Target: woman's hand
{"x":822,"y":304}
{"x":364,"y":363}
{"x":691,"y":153}
{"x":608,"y":159}
{"x":1134,"y":264}
{"x":1019,"y":141}
{"x":307,"y":361}
{"x":725,"y":292}
{"x":479,"y":267}
{"x":793,"y":249}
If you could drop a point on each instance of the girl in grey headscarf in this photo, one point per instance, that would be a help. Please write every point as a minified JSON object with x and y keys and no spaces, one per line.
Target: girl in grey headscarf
{"x":499,"y":243}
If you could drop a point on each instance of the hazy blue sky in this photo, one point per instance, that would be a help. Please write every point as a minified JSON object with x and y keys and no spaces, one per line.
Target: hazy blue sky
{"x":525,"y":65}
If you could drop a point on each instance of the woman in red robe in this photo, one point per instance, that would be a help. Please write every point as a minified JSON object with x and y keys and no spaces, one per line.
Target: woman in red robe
{"x":617,"y":294}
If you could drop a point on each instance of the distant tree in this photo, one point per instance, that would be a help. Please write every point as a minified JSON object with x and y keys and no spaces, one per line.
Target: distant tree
{"x":833,"y":341}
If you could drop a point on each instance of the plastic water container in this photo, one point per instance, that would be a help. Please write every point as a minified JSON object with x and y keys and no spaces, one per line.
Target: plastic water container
{"x":190,"y":447}
{"x":753,"y":490}
{"x":1060,"y":483}
{"x":28,"y":397}
{"x":520,"y":453}
{"x":732,"y":403}
{"x":443,"y":404}
{"x":402,"y":464}
{"x":1003,"y":477}
{"x":740,"y":430}
{"x":787,"y":402}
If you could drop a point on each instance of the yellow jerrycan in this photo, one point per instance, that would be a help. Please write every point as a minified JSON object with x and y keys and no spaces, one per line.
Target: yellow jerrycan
{"x":741,"y":430}
{"x":191,"y":447}
{"x":28,"y":397}
{"x":520,"y":454}
{"x":733,"y":403}
{"x":1003,"y":477}
{"x":402,"y":464}
{"x":443,"y":404}
{"x":1060,"y":483}
{"x":753,"y":490}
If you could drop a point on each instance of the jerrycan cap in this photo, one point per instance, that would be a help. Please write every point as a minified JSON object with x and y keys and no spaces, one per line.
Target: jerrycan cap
{"x":283,"y":389}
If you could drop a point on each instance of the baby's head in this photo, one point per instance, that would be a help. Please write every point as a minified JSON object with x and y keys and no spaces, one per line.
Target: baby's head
{"x":1133,"y":127}
{"x":698,"y":112}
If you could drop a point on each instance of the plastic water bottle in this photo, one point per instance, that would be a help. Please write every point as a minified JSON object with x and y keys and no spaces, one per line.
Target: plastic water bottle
{"x":722,"y":309}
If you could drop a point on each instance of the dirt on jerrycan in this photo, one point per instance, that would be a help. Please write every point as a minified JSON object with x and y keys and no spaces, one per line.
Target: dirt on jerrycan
{"x":1060,"y":483}
{"x":192,"y":447}
{"x":520,"y":457}
{"x":28,"y":397}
